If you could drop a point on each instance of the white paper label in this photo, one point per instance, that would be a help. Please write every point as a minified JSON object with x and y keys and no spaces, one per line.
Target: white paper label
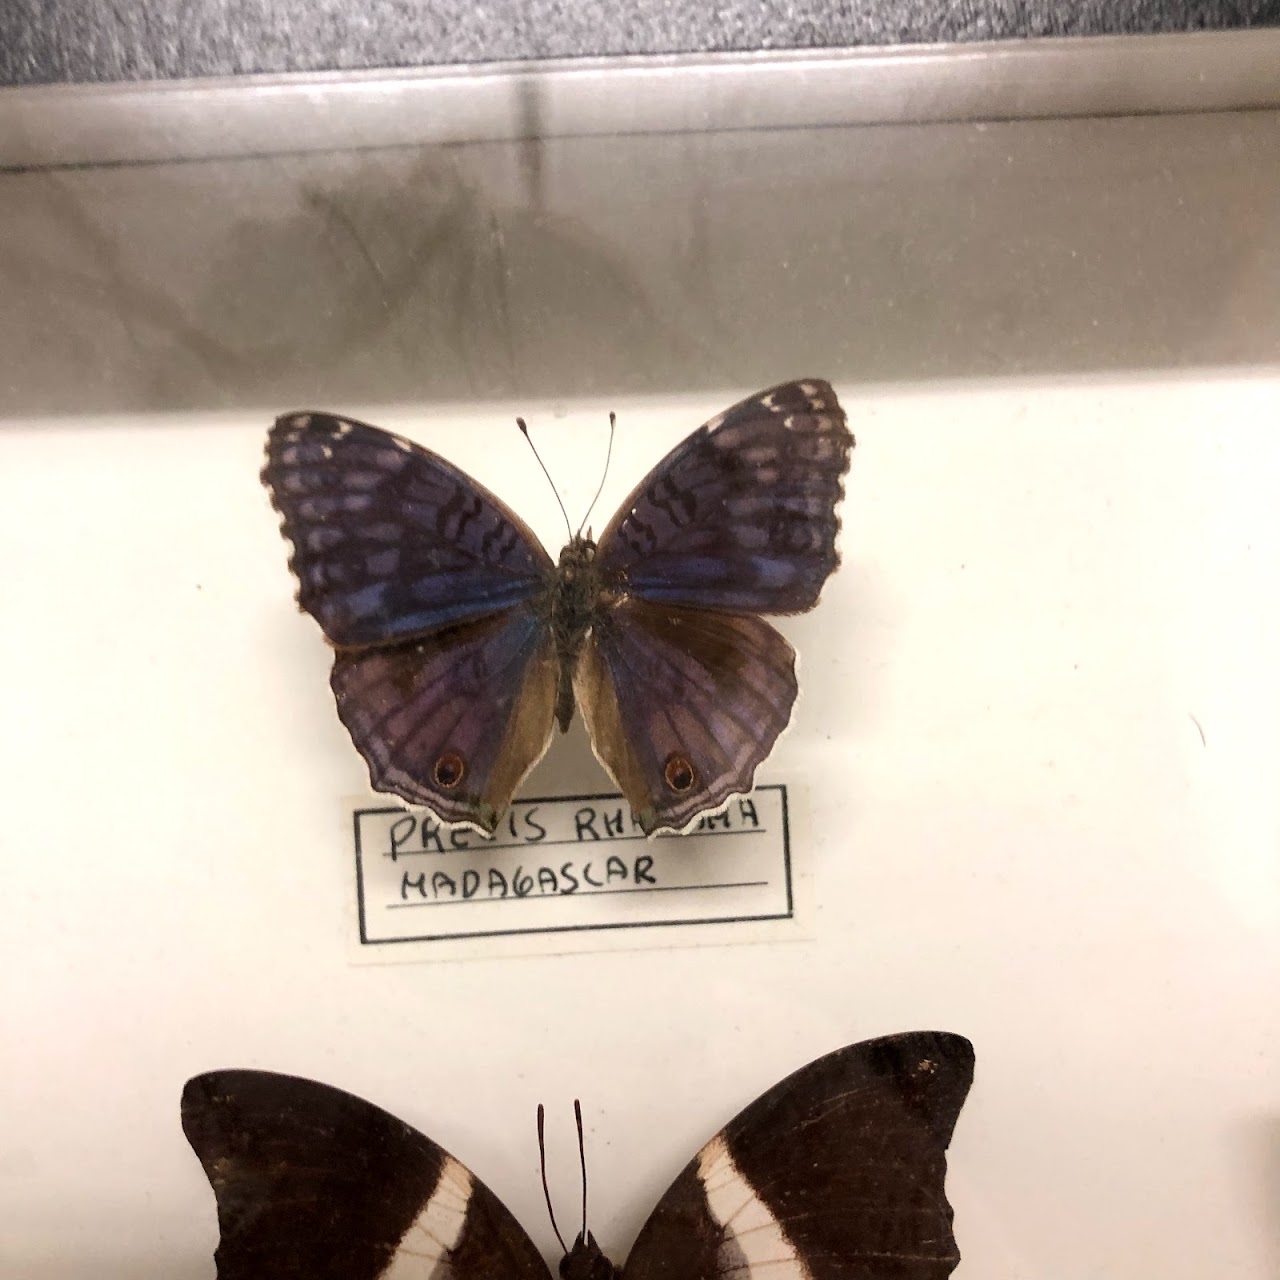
{"x":568,"y":865}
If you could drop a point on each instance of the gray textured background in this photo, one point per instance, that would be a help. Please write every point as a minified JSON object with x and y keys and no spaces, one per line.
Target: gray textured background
{"x":78,"y":40}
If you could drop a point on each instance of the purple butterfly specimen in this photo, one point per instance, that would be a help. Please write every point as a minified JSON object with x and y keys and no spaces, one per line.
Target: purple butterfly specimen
{"x":461,"y":643}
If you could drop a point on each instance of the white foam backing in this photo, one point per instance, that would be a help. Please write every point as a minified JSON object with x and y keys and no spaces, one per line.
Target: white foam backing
{"x":1039,"y":729}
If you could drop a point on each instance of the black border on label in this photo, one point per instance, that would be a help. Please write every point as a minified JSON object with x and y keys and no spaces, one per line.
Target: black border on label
{"x":366,"y":941}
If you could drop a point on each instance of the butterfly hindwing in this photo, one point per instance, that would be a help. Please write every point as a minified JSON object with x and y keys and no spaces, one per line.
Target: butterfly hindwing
{"x":741,"y":516}
{"x":683,"y":705}
{"x":390,"y":540}
{"x":836,"y":1173}
{"x":456,"y":719}
{"x":316,"y":1184}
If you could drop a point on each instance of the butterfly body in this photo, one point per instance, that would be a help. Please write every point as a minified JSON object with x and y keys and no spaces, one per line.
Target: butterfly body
{"x":460,"y":644}
{"x":587,"y":1261}
{"x":835,"y":1173}
{"x":576,"y":605}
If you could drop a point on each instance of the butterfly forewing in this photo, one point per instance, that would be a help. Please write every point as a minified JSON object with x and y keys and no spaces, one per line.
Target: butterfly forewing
{"x":836,"y":1173}
{"x":390,"y":540}
{"x":741,"y":516}
{"x":316,"y":1184}
{"x":683,"y":704}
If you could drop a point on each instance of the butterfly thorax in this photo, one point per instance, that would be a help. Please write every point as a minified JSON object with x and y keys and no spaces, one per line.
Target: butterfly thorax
{"x":575,"y":602}
{"x":586,"y":1260}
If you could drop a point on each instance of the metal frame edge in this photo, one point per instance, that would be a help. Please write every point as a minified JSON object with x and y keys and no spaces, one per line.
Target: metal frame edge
{"x":52,"y":126}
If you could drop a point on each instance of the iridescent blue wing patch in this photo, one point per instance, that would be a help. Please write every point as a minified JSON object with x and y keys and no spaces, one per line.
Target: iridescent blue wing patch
{"x":741,"y":516}
{"x":390,"y":541}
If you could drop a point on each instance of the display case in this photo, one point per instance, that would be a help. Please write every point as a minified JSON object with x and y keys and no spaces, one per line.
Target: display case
{"x":1028,"y":793}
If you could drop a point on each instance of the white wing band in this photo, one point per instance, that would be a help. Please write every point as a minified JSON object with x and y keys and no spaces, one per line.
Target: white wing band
{"x":754,"y":1245}
{"x":435,"y":1232}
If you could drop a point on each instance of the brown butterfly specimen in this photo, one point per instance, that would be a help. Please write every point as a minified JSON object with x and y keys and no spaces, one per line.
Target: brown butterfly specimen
{"x":460,"y":643}
{"x":836,"y":1173}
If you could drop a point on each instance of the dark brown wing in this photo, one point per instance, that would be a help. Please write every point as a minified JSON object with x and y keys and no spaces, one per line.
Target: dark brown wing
{"x":316,"y":1184}
{"x":835,"y":1174}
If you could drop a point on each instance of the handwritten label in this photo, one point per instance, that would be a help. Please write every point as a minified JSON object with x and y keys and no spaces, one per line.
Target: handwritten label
{"x":568,"y":865}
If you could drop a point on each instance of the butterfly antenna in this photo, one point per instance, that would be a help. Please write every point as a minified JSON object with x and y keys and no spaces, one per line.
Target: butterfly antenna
{"x":613,"y":422}
{"x":582,"y":1151}
{"x":542,"y":1160}
{"x":524,"y":430}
